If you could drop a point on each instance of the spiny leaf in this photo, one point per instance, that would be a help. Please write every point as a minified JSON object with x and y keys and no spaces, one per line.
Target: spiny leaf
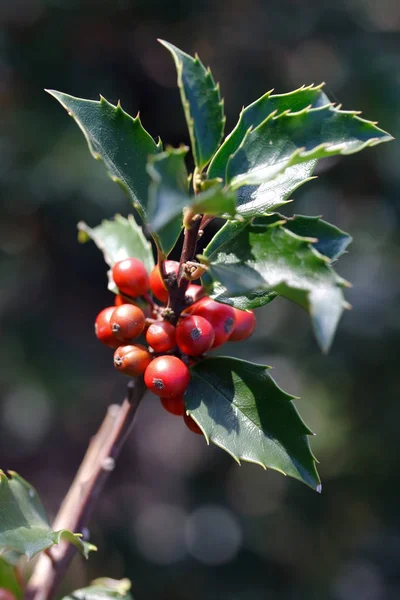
{"x":202,"y":105}
{"x":103,"y":588}
{"x":118,"y":239}
{"x":253,"y":115}
{"x":24,"y":527}
{"x":260,"y":199}
{"x":168,"y":195}
{"x":119,"y":140}
{"x":328,"y":239}
{"x":292,"y":138}
{"x":240,"y":408}
{"x":251,"y":258}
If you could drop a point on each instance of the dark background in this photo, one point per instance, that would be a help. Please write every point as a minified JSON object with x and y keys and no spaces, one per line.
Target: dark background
{"x":181,"y":519}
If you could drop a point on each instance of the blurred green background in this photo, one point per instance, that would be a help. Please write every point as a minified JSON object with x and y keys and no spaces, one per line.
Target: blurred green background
{"x":181,"y":519}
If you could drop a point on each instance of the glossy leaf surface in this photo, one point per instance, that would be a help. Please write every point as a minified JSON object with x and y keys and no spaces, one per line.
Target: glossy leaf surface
{"x":291,"y":138}
{"x":119,"y":140}
{"x":241,"y":409}
{"x":202,"y":105}
{"x":260,"y":257}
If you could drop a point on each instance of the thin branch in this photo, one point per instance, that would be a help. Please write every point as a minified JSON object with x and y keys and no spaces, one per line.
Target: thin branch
{"x":78,"y":504}
{"x":177,"y":295}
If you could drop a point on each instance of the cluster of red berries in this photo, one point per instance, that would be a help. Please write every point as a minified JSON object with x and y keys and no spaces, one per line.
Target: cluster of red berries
{"x":203,"y":325}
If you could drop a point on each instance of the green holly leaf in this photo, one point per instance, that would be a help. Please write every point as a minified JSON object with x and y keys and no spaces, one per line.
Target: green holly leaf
{"x":260,"y":199}
{"x":103,"y":589}
{"x":247,"y":301}
{"x":215,"y":200}
{"x":291,"y":138}
{"x":119,"y":140}
{"x":255,"y":114}
{"x":328,"y":239}
{"x":202,"y":105}
{"x":240,"y":408}
{"x":251,"y":258}
{"x":24,"y":527}
{"x":8,"y":578}
{"x":117,"y":239}
{"x":168,"y":195}
{"x":263,"y":199}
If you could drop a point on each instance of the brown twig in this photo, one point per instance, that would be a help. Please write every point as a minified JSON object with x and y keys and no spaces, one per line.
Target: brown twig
{"x":78,"y":504}
{"x":177,"y":295}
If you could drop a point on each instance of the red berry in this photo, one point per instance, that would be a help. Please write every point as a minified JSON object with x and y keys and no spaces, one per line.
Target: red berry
{"x":221,"y":316}
{"x":132,"y":360}
{"x":192,"y":425}
{"x":244,"y":325}
{"x":146,"y":308}
{"x":130,"y":277}
{"x":127,"y":322}
{"x":6,"y":594}
{"x":157,"y":286}
{"x":120,"y":300}
{"x":161,"y":336}
{"x":194,"y":335}
{"x":102,"y":327}
{"x":194,"y":293}
{"x":174,"y":405}
{"x":167,"y":376}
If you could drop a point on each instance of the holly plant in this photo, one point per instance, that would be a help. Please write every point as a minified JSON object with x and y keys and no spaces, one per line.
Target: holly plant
{"x":168,"y":316}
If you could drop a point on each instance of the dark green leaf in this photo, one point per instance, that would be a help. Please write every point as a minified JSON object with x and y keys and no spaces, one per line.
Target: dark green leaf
{"x":292,"y":138}
{"x":118,"y":239}
{"x":248,"y":301}
{"x":216,"y":200}
{"x":201,"y":103}
{"x":253,"y":115}
{"x":255,"y":200}
{"x":256,"y":257}
{"x":103,"y":589}
{"x":117,"y":139}
{"x":240,"y":408}
{"x":168,"y":195}
{"x":24,"y":527}
{"x":8,"y":579}
{"x":330,"y":240}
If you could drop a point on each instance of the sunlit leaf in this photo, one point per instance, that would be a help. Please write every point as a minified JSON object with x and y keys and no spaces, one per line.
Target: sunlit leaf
{"x":24,"y":527}
{"x":291,"y":138}
{"x":201,"y":103}
{"x":103,"y":589}
{"x":117,"y":239}
{"x":240,"y":408}
{"x":250,"y":258}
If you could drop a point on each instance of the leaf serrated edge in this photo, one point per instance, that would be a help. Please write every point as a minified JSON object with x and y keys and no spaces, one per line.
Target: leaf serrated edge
{"x":238,"y":459}
{"x":239,"y":180}
{"x":185,"y":103}
{"x":118,"y":110}
{"x":263,"y":98}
